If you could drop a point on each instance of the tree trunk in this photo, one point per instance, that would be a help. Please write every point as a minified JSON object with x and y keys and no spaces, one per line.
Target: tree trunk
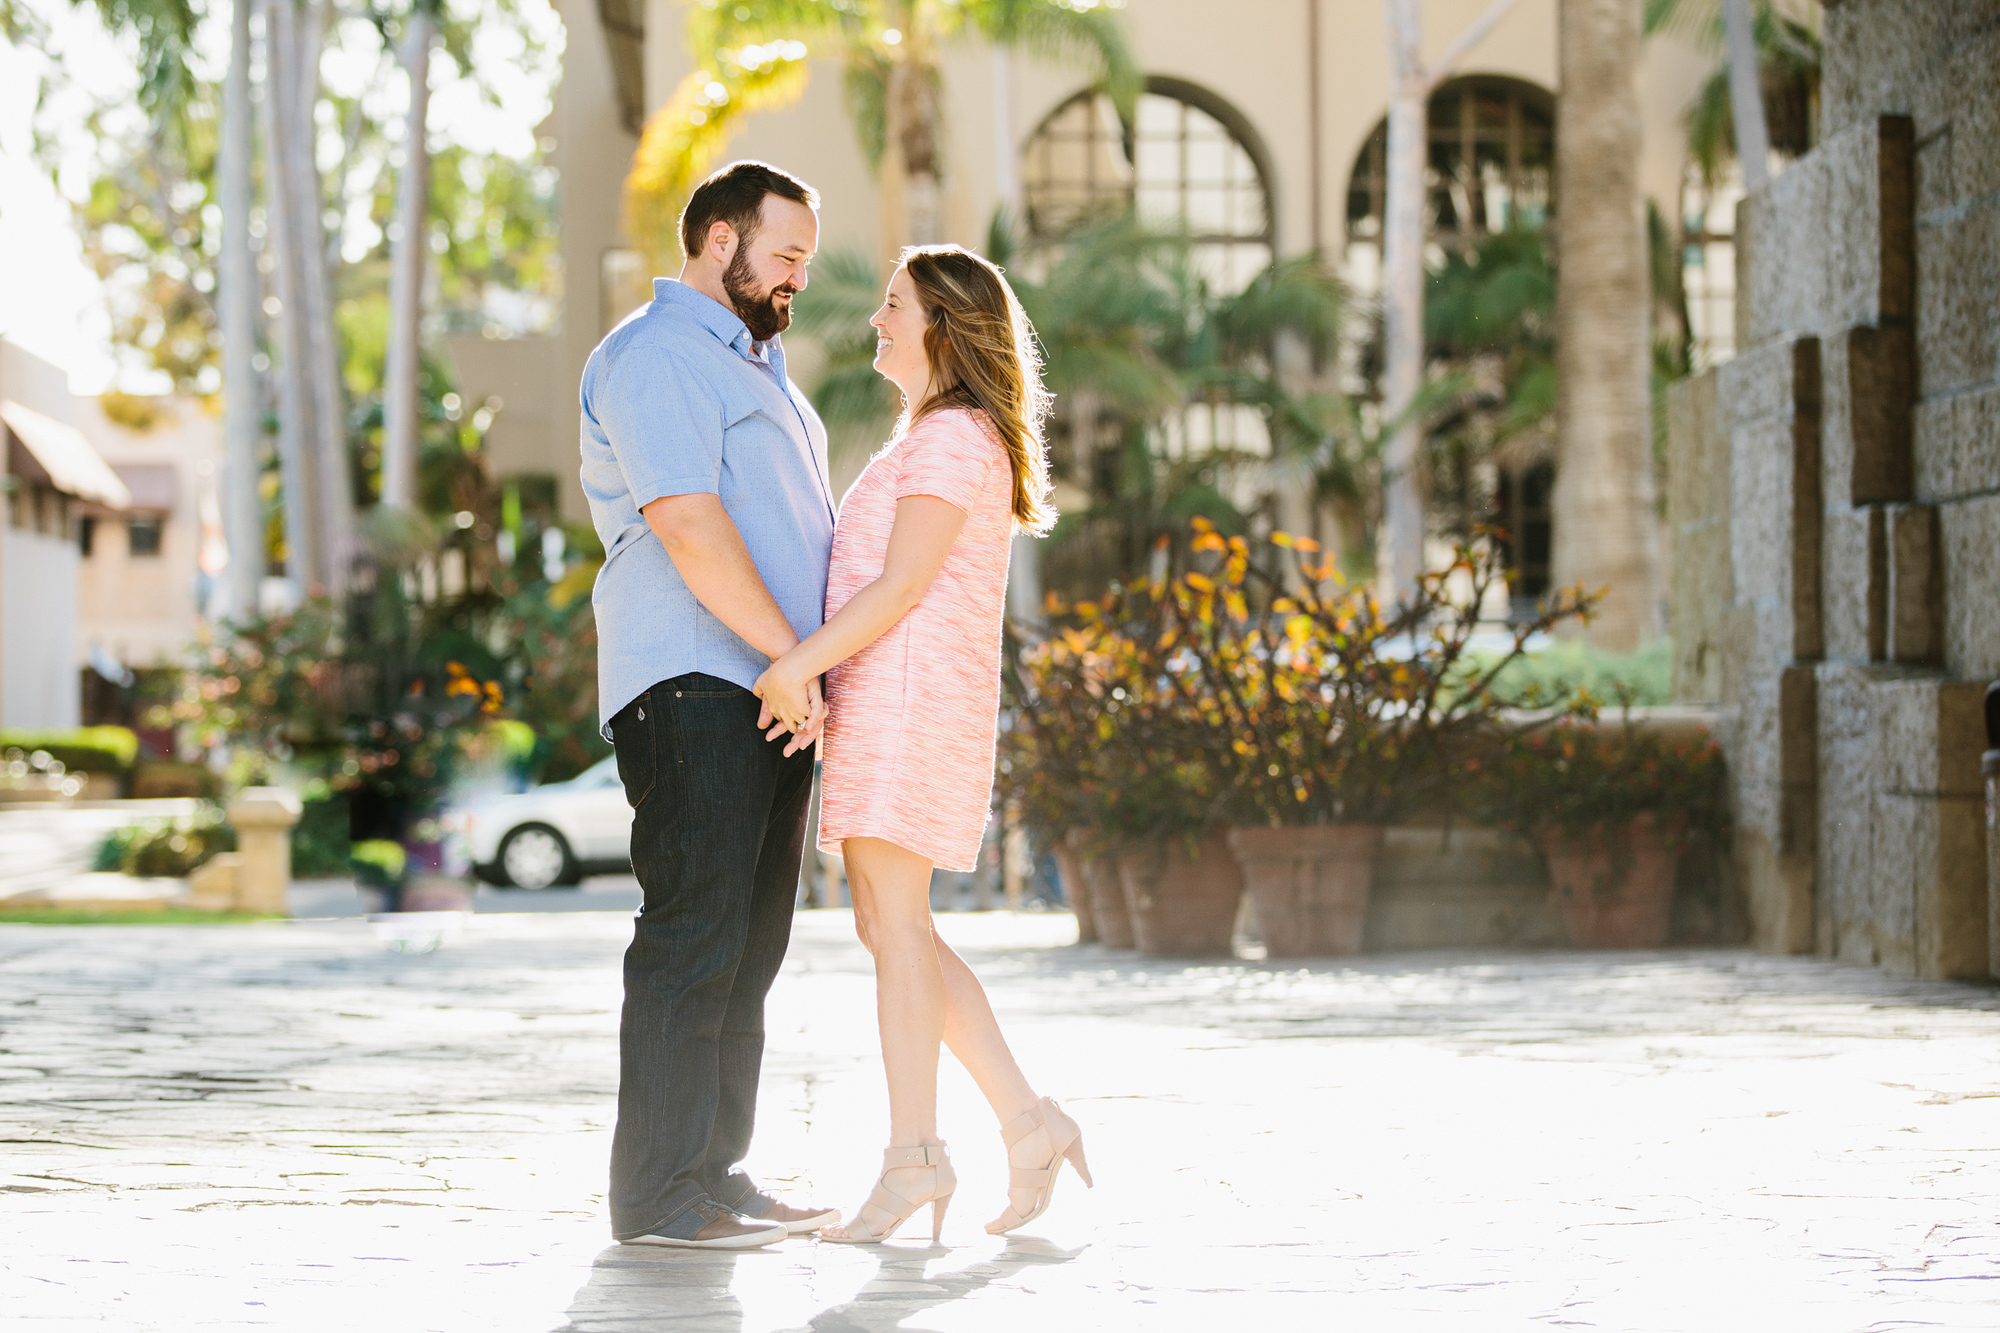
{"x":331,"y":458}
{"x":242,"y":507}
{"x":296,"y":456}
{"x":917,"y":119}
{"x":1746,"y":98}
{"x":1403,"y":231}
{"x":1606,"y":531}
{"x":406,"y":275}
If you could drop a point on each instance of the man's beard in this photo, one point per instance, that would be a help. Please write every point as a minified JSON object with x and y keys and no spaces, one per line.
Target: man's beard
{"x":759,"y":311}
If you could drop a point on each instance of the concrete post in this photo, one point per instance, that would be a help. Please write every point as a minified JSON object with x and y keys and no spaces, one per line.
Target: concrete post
{"x":263,"y":818}
{"x":1989,"y":767}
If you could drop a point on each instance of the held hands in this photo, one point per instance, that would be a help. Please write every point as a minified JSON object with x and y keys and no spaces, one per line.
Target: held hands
{"x":790,"y":704}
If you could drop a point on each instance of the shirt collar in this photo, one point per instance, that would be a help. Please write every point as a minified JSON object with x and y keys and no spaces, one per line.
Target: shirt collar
{"x":727,"y":326}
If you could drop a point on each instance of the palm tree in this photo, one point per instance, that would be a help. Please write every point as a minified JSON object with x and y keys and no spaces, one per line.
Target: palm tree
{"x":752,"y":57}
{"x":406,"y":267}
{"x":1605,"y":527}
{"x":242,"y":391}
{"x":1787,"y":63}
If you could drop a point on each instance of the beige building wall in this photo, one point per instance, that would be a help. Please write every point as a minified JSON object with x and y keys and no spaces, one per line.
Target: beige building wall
{"x":145,"y":609}
{"x":1254,"y":54}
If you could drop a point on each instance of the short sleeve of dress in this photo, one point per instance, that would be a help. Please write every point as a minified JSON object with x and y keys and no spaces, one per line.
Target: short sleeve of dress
{"x":948,"y":456}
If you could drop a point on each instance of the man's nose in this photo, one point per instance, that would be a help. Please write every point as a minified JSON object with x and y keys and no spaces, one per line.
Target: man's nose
{"x":799,"y":278}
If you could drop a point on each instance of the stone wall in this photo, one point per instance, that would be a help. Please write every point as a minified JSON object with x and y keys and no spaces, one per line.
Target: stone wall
{"x":1835,"y":500}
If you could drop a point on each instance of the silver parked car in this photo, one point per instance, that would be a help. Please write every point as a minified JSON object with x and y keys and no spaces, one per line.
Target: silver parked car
{"x":553,"y":835}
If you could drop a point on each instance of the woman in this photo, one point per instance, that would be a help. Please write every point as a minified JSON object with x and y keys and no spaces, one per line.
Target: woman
{"x":911,"y":648}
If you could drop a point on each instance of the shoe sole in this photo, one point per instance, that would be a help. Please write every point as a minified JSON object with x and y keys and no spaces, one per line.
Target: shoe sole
{"x":754,"y":1240}
{"x":813,"y":1223}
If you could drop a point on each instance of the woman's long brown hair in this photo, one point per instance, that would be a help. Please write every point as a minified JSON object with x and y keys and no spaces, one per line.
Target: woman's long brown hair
{"x":982,"y":356}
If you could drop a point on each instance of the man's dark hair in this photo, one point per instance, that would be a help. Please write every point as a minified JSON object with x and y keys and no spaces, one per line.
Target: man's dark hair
{"x":735,"y":195}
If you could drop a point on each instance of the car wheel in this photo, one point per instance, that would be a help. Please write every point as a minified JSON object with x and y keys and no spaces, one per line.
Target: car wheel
{"x":534,"y":856}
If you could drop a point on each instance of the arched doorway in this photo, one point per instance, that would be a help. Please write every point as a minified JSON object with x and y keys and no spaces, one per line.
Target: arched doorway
{"x":1489,"y":189}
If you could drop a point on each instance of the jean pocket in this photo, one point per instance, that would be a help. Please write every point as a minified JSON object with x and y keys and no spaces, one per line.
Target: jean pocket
{"x":633,"y":740}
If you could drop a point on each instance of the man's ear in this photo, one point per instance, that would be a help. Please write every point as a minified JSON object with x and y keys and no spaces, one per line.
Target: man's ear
{"x":721,"y":246}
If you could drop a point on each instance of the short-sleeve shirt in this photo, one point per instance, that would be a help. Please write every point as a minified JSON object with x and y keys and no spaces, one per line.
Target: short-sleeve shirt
{"x":679,"y":400}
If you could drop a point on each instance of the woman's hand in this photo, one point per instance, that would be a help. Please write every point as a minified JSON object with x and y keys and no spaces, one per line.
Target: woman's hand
{"x":791,"y":700}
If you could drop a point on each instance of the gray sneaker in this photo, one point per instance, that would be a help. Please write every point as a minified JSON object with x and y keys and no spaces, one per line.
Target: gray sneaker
{"x":717,"y":1229}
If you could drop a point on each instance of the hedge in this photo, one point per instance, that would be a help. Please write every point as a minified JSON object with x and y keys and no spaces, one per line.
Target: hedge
{"x":80,"y":749}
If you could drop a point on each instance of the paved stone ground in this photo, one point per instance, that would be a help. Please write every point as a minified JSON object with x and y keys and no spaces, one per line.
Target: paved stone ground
{"x":286,"y":1126}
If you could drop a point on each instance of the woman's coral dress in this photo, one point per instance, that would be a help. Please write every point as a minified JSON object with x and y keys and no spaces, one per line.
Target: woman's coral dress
{"x":907,"y":754}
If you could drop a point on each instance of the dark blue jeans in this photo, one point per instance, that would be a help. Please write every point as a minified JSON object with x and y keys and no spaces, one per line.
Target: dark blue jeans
{"x":718,"y":825}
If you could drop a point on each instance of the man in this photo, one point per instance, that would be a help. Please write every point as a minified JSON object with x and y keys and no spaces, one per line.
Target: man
{"x":705,"y":468}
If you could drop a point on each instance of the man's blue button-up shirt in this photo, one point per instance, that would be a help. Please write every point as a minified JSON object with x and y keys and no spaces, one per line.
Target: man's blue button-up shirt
{"x":677,"y":400}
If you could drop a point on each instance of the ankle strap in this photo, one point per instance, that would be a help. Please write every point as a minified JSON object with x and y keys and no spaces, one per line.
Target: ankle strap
{"x":924,"y":1154}
{"x":1028,"y":1121}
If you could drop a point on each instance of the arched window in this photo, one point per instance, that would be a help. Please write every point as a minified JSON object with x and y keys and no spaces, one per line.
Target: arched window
{"x":1188,"y":162}
{"x":1491,"y":165}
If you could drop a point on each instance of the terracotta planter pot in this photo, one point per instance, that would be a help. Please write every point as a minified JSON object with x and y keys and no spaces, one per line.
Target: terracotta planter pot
{"x":1614,"y":884}
{"x":1108,"y":911}
{"x":1182,"y":905}
{"x":1310,"y":885}
{"x":1076,"y":890}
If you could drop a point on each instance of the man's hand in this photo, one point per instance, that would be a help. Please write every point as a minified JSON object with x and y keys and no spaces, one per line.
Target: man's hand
{"x":805,"y":735}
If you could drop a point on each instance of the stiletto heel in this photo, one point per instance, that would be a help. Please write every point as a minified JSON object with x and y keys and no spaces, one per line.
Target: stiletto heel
{"x":1065,"y":1143}
{"x":899,"y":1208}
{"x":1075,"y":1155}
{"x":938,"y":1205}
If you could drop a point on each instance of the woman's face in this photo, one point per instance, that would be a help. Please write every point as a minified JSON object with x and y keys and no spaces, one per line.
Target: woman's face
{"x":899,"y":338}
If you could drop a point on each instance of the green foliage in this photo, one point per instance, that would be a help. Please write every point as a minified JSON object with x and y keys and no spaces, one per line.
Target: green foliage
{"x":378,"y":863}
{"x":170,"y":847}
{"x":320,"y":838}
{"x":172,"y":916}
{"x":78,"y":749}
{"x":1788,"y":78}
{"x":1642,"y":677}
{"x":1219,"y":695}
{"x":1489,"y":323}
{"x":1575,"y":778}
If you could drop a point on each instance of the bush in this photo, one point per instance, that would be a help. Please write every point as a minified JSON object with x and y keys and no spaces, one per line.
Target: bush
{"x":110,"y":750}
{"x":1641,"y":678}
{"x":320,"y":844}
{"x":170,"y":847}
{"x":1223,"y":695}
{"x":1572,"y":777}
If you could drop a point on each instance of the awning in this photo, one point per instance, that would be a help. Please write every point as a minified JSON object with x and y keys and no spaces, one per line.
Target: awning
{"x":64,"y":457}
{"x":153,"y":486}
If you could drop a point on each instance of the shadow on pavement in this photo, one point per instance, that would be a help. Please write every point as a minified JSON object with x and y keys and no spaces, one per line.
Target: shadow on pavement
{"x":633,"y":1288}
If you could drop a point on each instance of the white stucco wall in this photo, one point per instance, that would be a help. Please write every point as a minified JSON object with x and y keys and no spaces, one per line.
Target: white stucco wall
{"x":38,"y":676}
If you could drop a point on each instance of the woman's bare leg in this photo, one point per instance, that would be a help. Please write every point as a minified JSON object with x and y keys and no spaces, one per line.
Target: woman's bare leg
{"x":891,"y":889}
{"x":925,"y":993}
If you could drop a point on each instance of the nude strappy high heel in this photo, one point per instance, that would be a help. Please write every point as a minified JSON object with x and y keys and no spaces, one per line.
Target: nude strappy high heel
{"x":1065,"y":1140}
{"x":942,"y":1182}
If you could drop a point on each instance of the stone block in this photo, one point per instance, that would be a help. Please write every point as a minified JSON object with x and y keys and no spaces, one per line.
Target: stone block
{"x":1878,"y":55}
{"x":1916,"y":586}
{"x":1871,"y":383}
{"x":1477,"y":888}
{"x":1855,"y":583}
{"x":1958,"y":300}
{"x":1928,"y":733}
{"x":1702,"y":587}
{"x":1845,"y":915}
{"x":1971,"y":546}
{"x":212,"y":885}
{"x":1773,"y":771}
{"x":1839,"y":223}
{"x":1871,"y":202}
{"x":1930,"y":864}
{"x":1956,"y":445}
{"x":1771,"y":407}
{"x":1970,"y":111}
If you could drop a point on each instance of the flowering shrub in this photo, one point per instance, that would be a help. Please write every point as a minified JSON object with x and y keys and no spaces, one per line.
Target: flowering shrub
{"x":1222,"y":693}
{"x":1574,"y":778}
